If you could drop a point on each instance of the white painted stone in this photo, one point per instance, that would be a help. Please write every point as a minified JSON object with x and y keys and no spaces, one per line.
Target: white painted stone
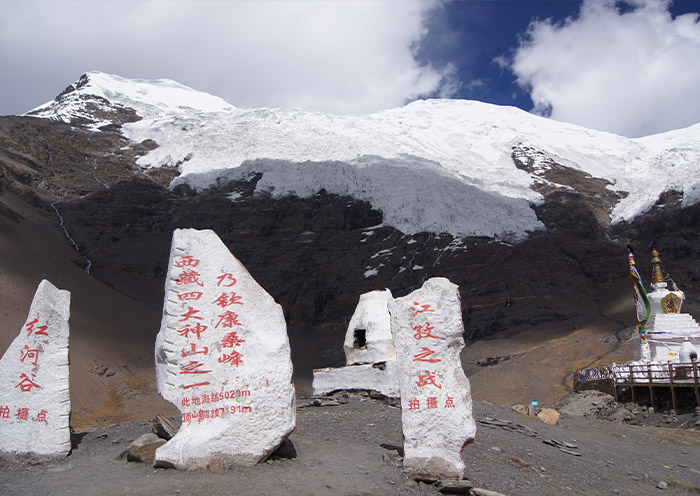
{"x":381,"y":377}
{"x":369,"y":352}
{"x":222,"y":357}
{"x":436,"y":404}
{"x":667,"y":328}
{"x":34,"y":396}
{"x":687,"y":352}
{"x":368,"y":338}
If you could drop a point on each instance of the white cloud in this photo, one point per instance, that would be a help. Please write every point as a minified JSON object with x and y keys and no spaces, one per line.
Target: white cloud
{"x":633,"y":72}
{"x":338,"y":57}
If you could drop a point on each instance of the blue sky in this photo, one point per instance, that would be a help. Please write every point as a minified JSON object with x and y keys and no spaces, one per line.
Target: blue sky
{"x":632,"y":67}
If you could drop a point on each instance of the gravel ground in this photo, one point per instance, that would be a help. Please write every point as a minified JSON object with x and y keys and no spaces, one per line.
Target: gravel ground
{"x":340,"y":452}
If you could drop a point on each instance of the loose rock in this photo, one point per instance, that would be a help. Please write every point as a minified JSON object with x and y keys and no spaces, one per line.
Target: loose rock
{"x":144,"y":448}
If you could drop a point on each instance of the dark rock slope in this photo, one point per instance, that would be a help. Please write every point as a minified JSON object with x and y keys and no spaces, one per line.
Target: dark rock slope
{"x":317,"y":255}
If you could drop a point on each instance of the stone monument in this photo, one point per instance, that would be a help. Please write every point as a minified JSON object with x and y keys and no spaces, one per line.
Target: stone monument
{"x":34,"y":397}
{"x":436,"y":405}
{"x":223,"y":358}
{"x":369,"y":352}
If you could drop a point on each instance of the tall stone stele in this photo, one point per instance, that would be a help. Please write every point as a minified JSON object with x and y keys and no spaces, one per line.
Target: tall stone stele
{"x":223,"y":358}
{"x":34,"y":394}
{"x":436,"y":404}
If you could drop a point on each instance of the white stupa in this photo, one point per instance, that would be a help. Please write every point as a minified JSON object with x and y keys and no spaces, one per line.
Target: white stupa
{"x":672,"y":336}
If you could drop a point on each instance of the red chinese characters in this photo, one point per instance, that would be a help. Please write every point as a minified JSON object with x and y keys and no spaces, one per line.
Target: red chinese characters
{"x":195,"y":330}
{"x":234,"y":358}
{"x":426,"y":379}
{"x":26,"y":384}
{"x":189,"y":277}
{"x":187,"y":261}
{"x":191,"y":313}
{"x":191,"y":296}
{"x":231,"y":339}
{"x":424,"y":331}
{"x":227,"y":299}
{"x":228,"y":319}
{"x":36,"y":330}
{"x":193,"y":367}
{"x":226,"y":280}
{"x":423,"y":354}
{"x":195,"y":351}
{"x":200,"y":313}
{"x":31,"y":355}
{"x":418,"y":308}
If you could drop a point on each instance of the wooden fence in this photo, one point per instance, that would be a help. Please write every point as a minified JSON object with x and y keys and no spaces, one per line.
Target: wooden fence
{"x":651,"y":376}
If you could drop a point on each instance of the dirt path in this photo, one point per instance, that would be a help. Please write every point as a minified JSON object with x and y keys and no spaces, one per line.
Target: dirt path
{"x":339,"y":453}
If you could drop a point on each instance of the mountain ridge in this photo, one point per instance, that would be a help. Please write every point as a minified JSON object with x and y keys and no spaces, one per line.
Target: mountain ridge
{"x":468,"y":142}
{"x":540,"y":260}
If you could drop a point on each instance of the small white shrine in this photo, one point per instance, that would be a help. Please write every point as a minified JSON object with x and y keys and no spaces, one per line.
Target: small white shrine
{"x":671,"y":336}
{"x":369,"y":352}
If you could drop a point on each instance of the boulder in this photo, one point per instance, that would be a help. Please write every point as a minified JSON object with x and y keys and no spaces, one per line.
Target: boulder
{"x":34,"y":397}
{"x":223,"y":358}
{"x":144,"y":448}
{"x":549,"y":416}
{"x":436,"y":404}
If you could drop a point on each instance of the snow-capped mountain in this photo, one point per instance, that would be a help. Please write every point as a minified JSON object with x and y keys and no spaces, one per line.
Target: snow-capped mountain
{"x":430,"y":166}
{"x":321,"y":209}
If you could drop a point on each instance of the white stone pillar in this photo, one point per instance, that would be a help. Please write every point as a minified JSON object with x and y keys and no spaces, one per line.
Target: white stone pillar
{"x":34,"y":394}
{"x":222,"y":357}
{"x":436,"y":404}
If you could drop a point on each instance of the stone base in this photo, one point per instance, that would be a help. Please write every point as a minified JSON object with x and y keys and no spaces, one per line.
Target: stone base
{"x":381,"y":377}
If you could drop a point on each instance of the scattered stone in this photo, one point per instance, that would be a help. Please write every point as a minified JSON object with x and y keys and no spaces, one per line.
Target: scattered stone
{"x":144,"y":448}
{"x":223,"y":358}
{"x":392,"y":447}
{"x":34,"y":399}
{"x":508,"y":425}
{"x":164,"y":427}
{"x":549,"y":416}
{"x":477,"y":491}
{"x":569,"y":452}
{"x":463,"y":486}
{"x":662,"y":485}
{"x":286,"y":450}
{"x":323,"y":401}
{"x":436,"y":404}
{"x":526,"y":410}
{"x":491,"y":361}
{"x":559,"y":444}
{"x":522,"y":463}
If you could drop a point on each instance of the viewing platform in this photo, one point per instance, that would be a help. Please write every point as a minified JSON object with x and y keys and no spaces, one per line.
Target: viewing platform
{"x":680,"y":380}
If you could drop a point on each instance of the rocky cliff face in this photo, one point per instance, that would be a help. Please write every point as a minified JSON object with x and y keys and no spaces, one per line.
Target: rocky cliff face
{"x":317,"y":255}
{"x":75,"y":172}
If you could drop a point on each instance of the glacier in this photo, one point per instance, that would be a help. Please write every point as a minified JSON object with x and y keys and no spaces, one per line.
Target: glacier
{"x":432,"y":165}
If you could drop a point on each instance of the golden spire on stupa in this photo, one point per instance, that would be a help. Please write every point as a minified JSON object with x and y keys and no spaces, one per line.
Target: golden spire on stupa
{"x":658,"y":273}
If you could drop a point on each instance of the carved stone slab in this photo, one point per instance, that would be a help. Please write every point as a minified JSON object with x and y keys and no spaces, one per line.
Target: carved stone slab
{"x":222,"y":357}
{"x":436,"y":404}
{"x":34,"y":393}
